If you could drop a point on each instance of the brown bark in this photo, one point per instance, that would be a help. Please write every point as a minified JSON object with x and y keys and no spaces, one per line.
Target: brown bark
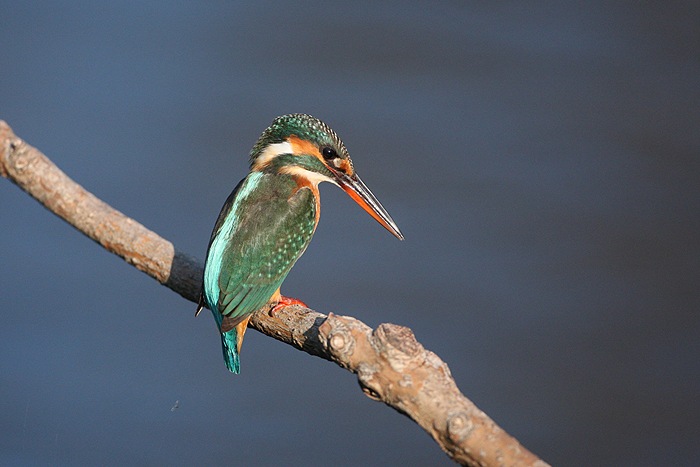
{"x":390,"y":364}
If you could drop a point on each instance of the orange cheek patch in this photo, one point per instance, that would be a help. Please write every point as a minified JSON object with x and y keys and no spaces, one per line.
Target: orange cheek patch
{"x":301,"y":146}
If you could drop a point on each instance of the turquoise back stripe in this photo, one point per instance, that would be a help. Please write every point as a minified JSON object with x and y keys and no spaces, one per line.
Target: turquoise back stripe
{"x":216,"y":252}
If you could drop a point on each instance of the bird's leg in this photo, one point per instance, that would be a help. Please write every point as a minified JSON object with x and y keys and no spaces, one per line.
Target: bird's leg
{"x":286,"y":301}
{"x":283,"y":301}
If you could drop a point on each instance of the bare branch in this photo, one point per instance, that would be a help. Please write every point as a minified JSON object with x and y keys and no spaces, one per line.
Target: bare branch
{"x":390,"y":364}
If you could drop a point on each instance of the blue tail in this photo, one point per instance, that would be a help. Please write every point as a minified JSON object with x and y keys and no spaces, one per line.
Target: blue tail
{"x":228,"y":343}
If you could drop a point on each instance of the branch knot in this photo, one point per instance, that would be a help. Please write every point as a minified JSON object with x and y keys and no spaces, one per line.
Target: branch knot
{"x":338,"y":337}
{"x":398,"y":346}
{"x":459,"y":426}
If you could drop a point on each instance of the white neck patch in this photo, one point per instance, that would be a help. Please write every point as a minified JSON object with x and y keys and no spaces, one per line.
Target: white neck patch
{"x":270,"y":152}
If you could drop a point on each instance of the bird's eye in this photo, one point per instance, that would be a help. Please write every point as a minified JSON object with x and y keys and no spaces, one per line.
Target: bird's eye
{"x":329,"y":153}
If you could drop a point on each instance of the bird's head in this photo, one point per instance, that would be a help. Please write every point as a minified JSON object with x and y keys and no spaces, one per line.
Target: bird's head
{"x":305,"y":147}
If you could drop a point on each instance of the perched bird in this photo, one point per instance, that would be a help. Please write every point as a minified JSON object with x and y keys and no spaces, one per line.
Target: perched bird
{"x":269,"y":219}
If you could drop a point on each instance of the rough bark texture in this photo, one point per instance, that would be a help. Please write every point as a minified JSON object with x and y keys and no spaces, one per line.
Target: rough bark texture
{"x":390,"y":364}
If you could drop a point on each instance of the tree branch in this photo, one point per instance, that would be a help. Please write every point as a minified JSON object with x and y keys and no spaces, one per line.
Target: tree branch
{"x":390,"y":364}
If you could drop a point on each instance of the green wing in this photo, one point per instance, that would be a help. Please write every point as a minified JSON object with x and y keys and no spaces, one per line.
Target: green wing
{"x":271,"y":232}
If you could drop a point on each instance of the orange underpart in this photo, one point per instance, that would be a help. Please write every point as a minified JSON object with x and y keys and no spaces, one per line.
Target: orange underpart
{"x":286,"y":301}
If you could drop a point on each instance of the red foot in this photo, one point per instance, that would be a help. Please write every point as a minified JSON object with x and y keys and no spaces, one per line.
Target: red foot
{"x":286,"y":301}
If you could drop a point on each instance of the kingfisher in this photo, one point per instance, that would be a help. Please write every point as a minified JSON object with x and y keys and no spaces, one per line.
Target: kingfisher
{"x":268,"y":220}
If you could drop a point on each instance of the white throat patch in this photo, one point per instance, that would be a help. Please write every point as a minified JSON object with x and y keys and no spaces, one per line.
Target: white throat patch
{"x":313,"y":177}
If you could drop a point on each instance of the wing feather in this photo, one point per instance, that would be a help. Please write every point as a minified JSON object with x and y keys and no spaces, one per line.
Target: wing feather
{"x":271,"y":231}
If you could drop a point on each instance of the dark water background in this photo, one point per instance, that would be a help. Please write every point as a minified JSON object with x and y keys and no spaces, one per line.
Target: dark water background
{"x":542,"y":161}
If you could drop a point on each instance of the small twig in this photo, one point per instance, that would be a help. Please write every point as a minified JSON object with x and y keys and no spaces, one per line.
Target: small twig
{"x":390,"y":364}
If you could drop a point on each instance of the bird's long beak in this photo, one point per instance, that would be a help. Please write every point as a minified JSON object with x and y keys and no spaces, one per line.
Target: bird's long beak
{"x":353,"y":186}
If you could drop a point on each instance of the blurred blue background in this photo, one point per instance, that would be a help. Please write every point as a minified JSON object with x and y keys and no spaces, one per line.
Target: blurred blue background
{"x":542,"y":161}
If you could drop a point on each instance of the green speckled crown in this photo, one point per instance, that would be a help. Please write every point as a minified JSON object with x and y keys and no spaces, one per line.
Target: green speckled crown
{"x":305,"y":127}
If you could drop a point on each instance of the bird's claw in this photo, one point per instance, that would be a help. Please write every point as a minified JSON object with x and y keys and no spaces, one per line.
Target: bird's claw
{"x":286,"y":301}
